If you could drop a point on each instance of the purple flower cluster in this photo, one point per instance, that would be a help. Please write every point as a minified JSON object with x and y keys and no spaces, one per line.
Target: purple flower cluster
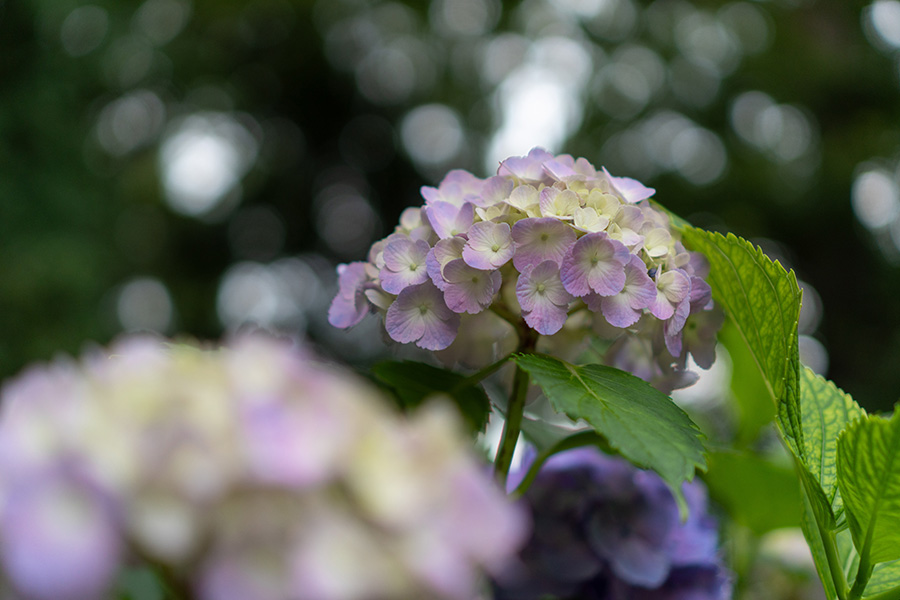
{"x":547,"y":237}
{"x":604,"y":530}
{"x":247,"y":472}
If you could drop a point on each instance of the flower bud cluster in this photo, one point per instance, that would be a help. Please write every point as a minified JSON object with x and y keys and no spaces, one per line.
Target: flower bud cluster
{"x":605,"y":530}
{"x":246,"y":472}
{"x":547,"y":237}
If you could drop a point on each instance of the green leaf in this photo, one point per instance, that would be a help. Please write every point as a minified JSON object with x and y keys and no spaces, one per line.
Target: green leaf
{"x":885,"y":577}
{"x":139,"y":583}
{"x":748,"y":387}
{"x":758,"y":493}
{"x":825,"y":411}
{"x":763,"y":300}
{"x":413,"y":382}
{"x":868,"y":464}
{"x":637,"y":420}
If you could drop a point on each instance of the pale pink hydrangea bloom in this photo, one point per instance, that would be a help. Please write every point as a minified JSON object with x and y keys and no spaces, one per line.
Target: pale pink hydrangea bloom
{"x":251,"y":471}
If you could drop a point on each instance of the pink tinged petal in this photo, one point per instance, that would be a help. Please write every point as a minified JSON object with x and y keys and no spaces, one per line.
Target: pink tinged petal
{"x":457,"y":187}
{"x":490,"y":246}
{"x":625,"y":308}
{"x":404,"y":264}
{"x":595,"y":263}
{"x":529,"y":168}
{"x":539,"y":240}
{"x":671,"y":288}
{"x":443,"y":252}
{"x":543,"y":299}
{"x":561,"y":169}
{"x":618,"y":312}
{"x":632,"y":190}
{"x":495,"y":190}
{"x":559,"y":204}
{"x":433,"y":266}
{"x":59,"y":542}
{"x":469,"y":289}
{"x":448,"y":220}
{"x":349,"y":306}
{"x":419,"y":314}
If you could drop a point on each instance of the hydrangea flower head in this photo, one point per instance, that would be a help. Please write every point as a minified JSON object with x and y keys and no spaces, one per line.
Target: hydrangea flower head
{"x":251,"y":471}
{"x":488,"y":244}
{"x":606,"y":530}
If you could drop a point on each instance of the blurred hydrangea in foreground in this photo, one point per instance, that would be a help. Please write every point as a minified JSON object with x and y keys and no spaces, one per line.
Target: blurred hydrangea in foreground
{"x":246,"y":472}
{"x":605,"y":530}
{"x":550,"y":240}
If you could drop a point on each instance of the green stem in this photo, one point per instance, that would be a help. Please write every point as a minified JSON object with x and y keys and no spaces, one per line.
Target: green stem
{"x":512,"y":426}
{"x":891,"y":594}
{"x":485,"y":372}
{"x":862,"y":576}
{"x":834,"y":563}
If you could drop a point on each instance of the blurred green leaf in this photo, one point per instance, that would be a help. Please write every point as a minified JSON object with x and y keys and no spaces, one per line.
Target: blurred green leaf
{"x":637,"y":420}
{"x":747,"y":386}
{"x":414,"y":382}
{"x":758,"y":493}
{"x":139,"y":583}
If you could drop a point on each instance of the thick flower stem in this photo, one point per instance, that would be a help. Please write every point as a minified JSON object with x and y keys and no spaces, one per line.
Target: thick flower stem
{"x":512,"y":426}
{"x":515,"y":409}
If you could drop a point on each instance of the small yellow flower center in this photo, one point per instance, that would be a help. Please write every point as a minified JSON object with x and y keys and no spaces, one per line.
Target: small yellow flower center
{"x":495,"y":248}
{"x":540,"y":288}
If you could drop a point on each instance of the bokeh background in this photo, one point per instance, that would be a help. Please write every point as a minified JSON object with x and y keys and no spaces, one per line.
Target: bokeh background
{"x":195,"y":166}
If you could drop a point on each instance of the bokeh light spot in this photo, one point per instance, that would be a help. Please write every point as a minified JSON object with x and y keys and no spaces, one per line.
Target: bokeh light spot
{"x":84,"y":29}
{"x":144,"y":304}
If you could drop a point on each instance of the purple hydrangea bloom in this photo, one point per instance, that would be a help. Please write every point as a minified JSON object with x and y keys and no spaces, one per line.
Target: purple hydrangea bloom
{"x":543,"y":299}
{"x":468,"y":289}
{"x":538,"y":240}
{"x":458,"y":187}
{"x":595,"y":263}
{"x":632,"y":190}
{"x":626,"y":307}
{"x":421,"y":315}
{"x":448,"y":219}
{"x":404,"y":263}
{"x":490,"y":245}
{"x":349,"y":306}
{"x":610,"y":248}
{"x":608,"y":531}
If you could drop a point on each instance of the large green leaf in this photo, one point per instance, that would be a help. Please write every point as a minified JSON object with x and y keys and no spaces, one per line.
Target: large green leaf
{"x":637,"y":420}
{"x":413,"y":382}
{"x":886,"y":576}
{"x":763,"y":301}
{"x":757,"y":492}
{"x":825,"y":411}
{"x":755,"y":407}
{"x":868,"y":464}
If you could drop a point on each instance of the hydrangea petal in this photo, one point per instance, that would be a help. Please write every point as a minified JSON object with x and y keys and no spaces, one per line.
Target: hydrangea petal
{"x":538,"y":240}
{"x":490,"y":245}
{"x":449,"y":220}
{"x":469,"y":289}
{"x":420,"y":315}
{"x":527,"y":168}
{"x":404,"y":264}
{"x":349,"y":306}
{"x":632,"y":190}
{"x":595,"y":263}
{"x":543,"y":299}
{"x":457,"y":187}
